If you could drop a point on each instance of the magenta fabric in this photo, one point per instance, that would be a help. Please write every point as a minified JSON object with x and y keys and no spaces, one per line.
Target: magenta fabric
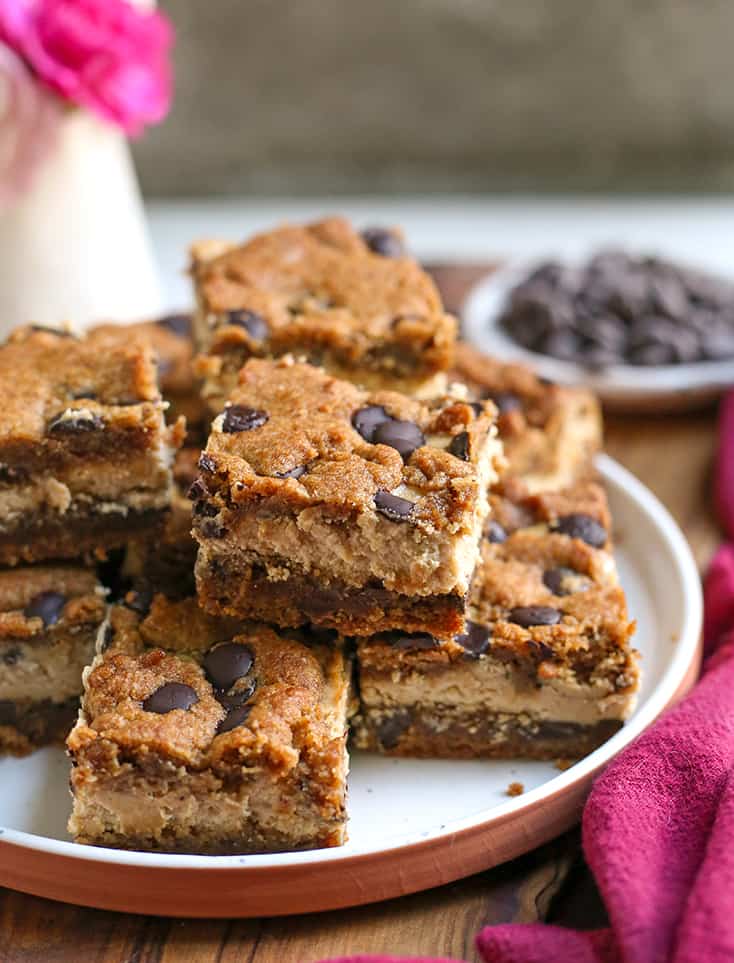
{"x":658,"y":828}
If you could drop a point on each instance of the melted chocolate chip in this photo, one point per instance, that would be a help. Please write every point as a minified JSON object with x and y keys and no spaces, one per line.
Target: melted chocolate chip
{"x":12,"y":474}
{"x":292,"y":472}
{"x":506,"y":401}
{"x":8,"y":712}
{"x":11,"y":656}
{"x":206,"y":509}
{"x":416,"y":641}
{"x":170,"y":696}
{"x":139,"y":599}
{"x":403,"y":436}
{"x":59,"y":332}
{"x":197,"y":490}
{"x":84,"y":394}
{"x":563,"y":580}
{"x":368,"y":419}
{"x":233,"y":700}
{"x":475,"y":640}
{"x":47,"y":606}
{"x":529,"y":615}
{"x":578,"y":525}
{"x":233,"y":719}
{"x":392,"y":728}
{"x":495,"y":533}
{"x":227,"y":663}
{"x":207,"y":463}
{"x":241,"y":418}
{"x":254,"y":323}
{"x":382,"y":241}
{"x":459,"y":446}
{"x":75,"y":423}
{"x":393,"y":507}
{"x":179,"y":324}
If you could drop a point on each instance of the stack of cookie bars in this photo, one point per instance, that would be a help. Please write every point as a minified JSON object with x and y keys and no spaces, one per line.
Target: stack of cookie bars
{"x":365,"y":560}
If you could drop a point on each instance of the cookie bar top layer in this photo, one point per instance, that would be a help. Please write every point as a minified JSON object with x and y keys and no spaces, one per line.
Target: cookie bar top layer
{"x":40,"y":598}
{"x":171,"y":341}
{"x":550,"y":432}
{"x":355,"y":485}
{"x":178,"y":685}
{"x":546,"y":604}
{"x":322,"y":290}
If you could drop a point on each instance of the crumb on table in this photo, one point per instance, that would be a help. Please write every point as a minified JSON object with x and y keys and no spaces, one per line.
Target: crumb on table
{"x":515,"y":789}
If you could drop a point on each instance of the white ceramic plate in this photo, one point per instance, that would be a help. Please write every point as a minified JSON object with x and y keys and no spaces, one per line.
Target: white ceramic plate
{"x":621,"y":387}
{"x":414,"y":823}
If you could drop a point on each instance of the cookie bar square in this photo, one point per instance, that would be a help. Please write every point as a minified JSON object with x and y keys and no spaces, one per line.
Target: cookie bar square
{"x":319,"y":502}
{"x":84,"y":449}
{"x":354,"y":303}
{"x":550,"y":433}
{"x":544,"y":669}
{"x":49,"y":618}
{"x":170,"y":338}
{"x":200,"y":735}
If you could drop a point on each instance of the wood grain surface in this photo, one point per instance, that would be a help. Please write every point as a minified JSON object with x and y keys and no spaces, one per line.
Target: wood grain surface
{"x":673,"y":456}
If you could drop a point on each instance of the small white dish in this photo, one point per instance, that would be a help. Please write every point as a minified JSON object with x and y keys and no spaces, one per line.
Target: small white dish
{"x":663,"y":388}
{"x":414,"y":824}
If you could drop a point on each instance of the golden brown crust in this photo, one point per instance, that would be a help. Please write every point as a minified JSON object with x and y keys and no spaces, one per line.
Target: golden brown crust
{"x":289,"y":717}
{"x":323,"y":294}
{"x":550,"y":433}
{"x":309,"y":424}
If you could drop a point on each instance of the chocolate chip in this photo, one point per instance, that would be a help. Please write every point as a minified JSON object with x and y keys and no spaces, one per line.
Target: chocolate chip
{"x":197,"y":490}
{"x":495,"y":533}
{"x":12,"y":474}
{"x":292,"y":472}
{"x":8,"y":712}
{"x":475,"y":640}
{"x":232,"y":700}
{"x":392,"y":728}
{"x":416,"y":641}
{"x":578,"y":525}
{"x":207,"y":463}
{"x":403,"y":436}
{"x":83,"y":394}
{"x":254,"y":323}
{"x":392,"y":506}
{"x":47,"y":606}
{"x":563,"y":580}
{"x":210,"y":529}
{"x":233,"y":719}
{"x":368,"y":419}
{"x":227,"y":663}
{"x":179,"y":324}
{"x":170,"y":696}
{"x":73,"y":422}
{"x":139,"y":599}
{"x":529,"y":615}
{"x":11,"y":656}
{"x":241,"y":418}
{"x":207,"y":509}
{"x":459,"y":446}
{"x":506,"y":401}
{"x":382,"y":241}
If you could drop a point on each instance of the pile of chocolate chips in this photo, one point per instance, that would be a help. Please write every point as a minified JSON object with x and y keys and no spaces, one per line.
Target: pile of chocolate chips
{"x":619,"y":309}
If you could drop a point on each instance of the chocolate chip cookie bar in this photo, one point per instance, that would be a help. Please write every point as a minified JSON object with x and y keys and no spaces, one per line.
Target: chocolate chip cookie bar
{"x":170,"y":339}
{"x":49,"y":617}
{"x":318,"y":502}
{"x":355,"y":303}
{"x":84,"y":449}
{"x":544,"y":668}
{"x":200,"y":735}
{"x":550,"y":433}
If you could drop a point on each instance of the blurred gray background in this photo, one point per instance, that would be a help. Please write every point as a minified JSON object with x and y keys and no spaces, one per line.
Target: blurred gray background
{"x":331,"y":96}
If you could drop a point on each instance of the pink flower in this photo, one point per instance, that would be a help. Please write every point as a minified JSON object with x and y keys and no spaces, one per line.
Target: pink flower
{"x":30,"y":117}
{"x":105,"y":55}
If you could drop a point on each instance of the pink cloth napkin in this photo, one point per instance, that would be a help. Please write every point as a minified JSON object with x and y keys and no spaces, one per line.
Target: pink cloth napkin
{"x":658,"y":828}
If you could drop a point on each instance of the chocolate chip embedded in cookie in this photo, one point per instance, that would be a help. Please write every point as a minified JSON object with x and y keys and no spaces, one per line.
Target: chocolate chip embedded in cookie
{"x":241,"y":418}
{"x":170,"y":696}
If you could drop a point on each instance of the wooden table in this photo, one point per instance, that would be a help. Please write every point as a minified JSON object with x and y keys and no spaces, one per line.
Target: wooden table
{"x":672,"y":455}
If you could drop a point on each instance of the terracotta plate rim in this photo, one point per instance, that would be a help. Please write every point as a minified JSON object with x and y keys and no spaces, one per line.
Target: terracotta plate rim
{"x":679,"y":669}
